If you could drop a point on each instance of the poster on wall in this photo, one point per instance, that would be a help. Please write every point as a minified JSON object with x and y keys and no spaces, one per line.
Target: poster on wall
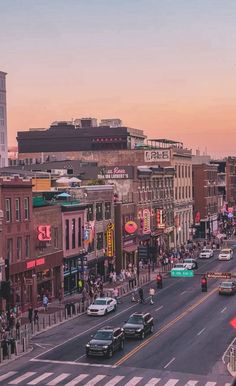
{"x":146,"y":221}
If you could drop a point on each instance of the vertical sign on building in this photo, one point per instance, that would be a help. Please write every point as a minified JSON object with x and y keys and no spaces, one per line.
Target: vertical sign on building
{"x":110,"y":240}
{"x":160,"y":219}
{"x":146,"y":221}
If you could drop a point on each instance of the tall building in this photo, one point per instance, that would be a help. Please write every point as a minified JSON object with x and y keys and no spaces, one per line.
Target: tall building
{"x":3,"y":121}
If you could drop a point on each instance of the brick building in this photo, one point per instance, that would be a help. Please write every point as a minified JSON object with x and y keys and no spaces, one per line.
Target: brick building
{"x":206,"y":199}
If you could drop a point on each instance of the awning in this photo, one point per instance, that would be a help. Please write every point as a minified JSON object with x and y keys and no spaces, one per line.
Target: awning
{"x":130,"y":248}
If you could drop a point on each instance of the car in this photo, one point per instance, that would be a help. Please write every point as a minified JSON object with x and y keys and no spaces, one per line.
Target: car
{"x":101,"y":306}
{"x":227,"y":288}
{"x":138,"y":325}
{"x":105,"y":342}
{"x":206,"y":253}
{"x":225,"y":254}
{"x":190,"y":263}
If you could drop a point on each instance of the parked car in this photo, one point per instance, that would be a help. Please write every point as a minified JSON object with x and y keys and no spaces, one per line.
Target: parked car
{"x":225,"y":254}
{"x":206,"y":253}
{"x":105,"y":342}
{"x":101,"y":306}
{"x":190,"y":263}
{"x":227,"y":288}
{"x":138,"y":325}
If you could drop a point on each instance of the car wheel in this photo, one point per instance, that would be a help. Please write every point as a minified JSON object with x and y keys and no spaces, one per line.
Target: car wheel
{"x":105,"y":313}
{"x":122,"y":345}
{"x":151,"y":329}
{"x":110,"y":353}
{"x":142,"y":335}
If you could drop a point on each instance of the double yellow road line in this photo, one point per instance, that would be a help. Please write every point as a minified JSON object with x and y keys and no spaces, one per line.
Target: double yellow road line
{"x":164,"y":328}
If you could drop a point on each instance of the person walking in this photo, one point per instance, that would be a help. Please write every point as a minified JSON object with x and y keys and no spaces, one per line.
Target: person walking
{"x":151,"y":293}
{"x":45,"y":302}
{"x":140,"y":292}
{"x":30,"y":313}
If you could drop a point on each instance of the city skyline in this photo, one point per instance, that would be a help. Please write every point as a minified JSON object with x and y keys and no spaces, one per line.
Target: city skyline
{"x":165,"y":67}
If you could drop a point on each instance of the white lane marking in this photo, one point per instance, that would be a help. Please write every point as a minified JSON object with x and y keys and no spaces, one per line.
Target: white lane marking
{"x":172,"y":360}
{"x":58,"y":379}
{"x":171,"y":382}
{"x":39,"y":379}
{"x":82,"y":356}
{"x":191,"y":383}
{"x":200,"y":332}
{"x":73,"y":363}
{"x":182,"y":293}
{"x":153,"y":382}
{"x":159,"y":308}
{"x":76,"y":380}
{"x":210,"y":384}
{"x":114,"y":380}
{"x":7,"y":375}
{"x":22,"y":378}
{"x":95,"y":380}
{"x":224,"y":309}
{"x":134,"y":381}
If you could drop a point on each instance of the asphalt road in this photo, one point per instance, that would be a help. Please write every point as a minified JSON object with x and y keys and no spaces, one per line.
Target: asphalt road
{"x":191,"y":333}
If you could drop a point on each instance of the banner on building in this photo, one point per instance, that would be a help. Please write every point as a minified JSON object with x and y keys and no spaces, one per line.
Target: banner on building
{"x":44,"y":232}
{"x":110,"y":240}
{"x":146,"y":221}
{"x":156,"y":155}
{"x":160,"y":219}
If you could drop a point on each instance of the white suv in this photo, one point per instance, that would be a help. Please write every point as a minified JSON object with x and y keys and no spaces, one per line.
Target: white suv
{"x":206,"y":254}
{"x":225,"y":254}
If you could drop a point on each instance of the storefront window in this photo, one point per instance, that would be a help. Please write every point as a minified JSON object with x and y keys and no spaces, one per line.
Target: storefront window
{"x":90,"y":213}
{"x":107,"y":210}
{"x":99,"y":215}
{"x":99,"y":240}
{"x":73,"y":233}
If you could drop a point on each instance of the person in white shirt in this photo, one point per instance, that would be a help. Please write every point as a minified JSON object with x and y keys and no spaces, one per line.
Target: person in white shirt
{"x":151,"y":293}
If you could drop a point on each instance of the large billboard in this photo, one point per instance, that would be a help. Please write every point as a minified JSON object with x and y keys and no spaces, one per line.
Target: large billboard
{"x":157,"y":155}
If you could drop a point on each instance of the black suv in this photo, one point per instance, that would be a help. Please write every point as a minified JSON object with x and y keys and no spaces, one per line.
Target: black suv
{"x":105,"y":342}
{"x":138,"y":325}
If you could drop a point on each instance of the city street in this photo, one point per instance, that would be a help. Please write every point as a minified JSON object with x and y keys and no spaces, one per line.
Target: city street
{"x":190,"y":336}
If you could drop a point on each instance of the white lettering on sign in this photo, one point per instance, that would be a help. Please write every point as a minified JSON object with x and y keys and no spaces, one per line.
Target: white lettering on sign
{"x":156,"y":155}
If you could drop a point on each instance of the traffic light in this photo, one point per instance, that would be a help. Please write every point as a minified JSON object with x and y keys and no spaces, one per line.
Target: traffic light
{"x":204,"y":284}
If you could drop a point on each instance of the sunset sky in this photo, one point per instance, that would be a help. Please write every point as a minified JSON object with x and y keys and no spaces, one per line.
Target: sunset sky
{"x":165,"y":66}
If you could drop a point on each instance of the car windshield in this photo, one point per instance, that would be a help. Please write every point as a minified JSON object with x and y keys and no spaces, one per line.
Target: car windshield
{"x":225,"y":251}
{"x":103,"y":335}
{"x":179,"y":266}
{"x":188,"y":261}
{"x":206,"y":251}
{"x":226,"y":284}
{"x":100,"y":302}
{"x":135,"y":319}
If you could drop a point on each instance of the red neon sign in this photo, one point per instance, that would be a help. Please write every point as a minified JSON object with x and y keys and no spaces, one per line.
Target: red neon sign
{"x":44,"y":233}
{"x":35,"y":263}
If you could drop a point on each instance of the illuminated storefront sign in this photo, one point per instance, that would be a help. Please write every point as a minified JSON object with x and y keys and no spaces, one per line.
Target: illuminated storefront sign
{"x":131,"y":227}
{"x":146,"y":221}
{"x":35,"y":263}
{"x":44,"y":232}
{"x":110,"y":240}
{"x":160,"y":219}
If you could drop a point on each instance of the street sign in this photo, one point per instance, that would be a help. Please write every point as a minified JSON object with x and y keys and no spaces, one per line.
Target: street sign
{"x":218,"y":275}
{"x":184,"y":273}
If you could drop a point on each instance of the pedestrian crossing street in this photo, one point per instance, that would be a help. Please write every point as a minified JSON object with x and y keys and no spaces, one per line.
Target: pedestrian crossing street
{"x":67,"y":379}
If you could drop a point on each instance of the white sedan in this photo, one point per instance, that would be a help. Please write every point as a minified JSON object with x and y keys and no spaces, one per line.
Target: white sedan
{"x":101,"y":306}
{"x":206,"y":253}
{"x":225,"y":254}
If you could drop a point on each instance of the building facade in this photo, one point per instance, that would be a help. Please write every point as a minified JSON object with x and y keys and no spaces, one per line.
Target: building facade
{"x":3,"y":121}
{"x":206,"y":200}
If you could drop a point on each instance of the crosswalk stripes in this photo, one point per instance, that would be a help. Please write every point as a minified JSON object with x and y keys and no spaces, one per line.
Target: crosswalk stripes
{"x":67,"y":379}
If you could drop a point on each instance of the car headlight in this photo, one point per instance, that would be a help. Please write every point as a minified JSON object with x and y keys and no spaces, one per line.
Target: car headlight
{"x":139,"y":330}
{"x":105,"y":347}
{"x":88,"y":345}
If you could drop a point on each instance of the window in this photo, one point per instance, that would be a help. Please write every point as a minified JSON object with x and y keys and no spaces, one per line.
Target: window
{"x":107,"y":210}
{"x":90,"y":213}
{"x":27,"y":246}
{"x":8,"y":209}
{"x":186,"y":192}
{"x":55,"y":237}
{"x":179,"y":192}
{"x":183,"y":192}
{"x":176,"y":192}
{"x":99,"y":240}
{"x":26,"y":208}
{"x":2,"y":116}
{"x":67,"y":234}
{"x":18,"y":209}
{"x":2,"y":138}
{"x":189,"y":191}
{"x":182,"y":171}
{"x":73,"y":233}
{"x":9,"y":250}
{"x":188,"y":171}
{"x":79,"y":232}
{"x":19,"y":248}
{"x":186,"y":175}
{"x":99,"y":215}
{"x":179,"y":172}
